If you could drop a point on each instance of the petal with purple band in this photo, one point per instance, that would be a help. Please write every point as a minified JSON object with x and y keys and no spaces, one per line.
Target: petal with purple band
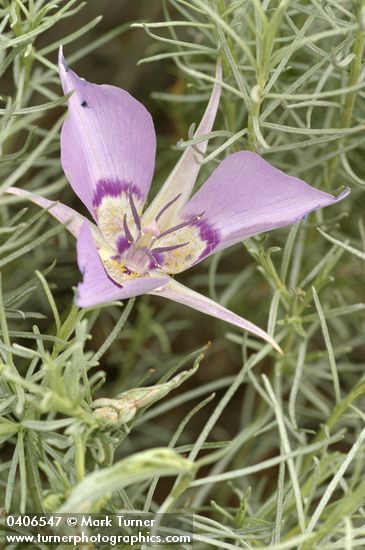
{"x":246,"y":196}
{"x":108,"y":136}
{"x":182,"y":179}
{"x":117,"y":206}
{"x":180,"y":293}
{"x":64,"y":214}
{"x":184,"y":245}
{"x":97,"y":287}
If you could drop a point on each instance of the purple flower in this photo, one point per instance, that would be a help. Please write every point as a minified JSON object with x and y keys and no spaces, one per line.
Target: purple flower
{"x":108,"y":148}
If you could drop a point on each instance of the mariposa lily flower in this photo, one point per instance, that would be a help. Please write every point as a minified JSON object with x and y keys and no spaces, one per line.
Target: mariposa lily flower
{"x":108,"y":148}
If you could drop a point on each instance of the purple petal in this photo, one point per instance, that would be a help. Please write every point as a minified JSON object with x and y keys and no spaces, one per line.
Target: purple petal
{"x":183,"y":177}
{"x":97,"y":287}
{"x":180,"y":293}
{"x":108,"y":138}
{"x":245,"y":196}
{"x":64,"y":214}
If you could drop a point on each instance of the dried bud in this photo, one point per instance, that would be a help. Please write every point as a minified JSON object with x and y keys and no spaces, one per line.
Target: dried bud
{"x":124,"y":407}
{"x":256,"y":94}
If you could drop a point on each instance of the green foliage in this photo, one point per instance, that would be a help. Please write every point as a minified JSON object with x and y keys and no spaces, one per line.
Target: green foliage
{"x":97,"y":405}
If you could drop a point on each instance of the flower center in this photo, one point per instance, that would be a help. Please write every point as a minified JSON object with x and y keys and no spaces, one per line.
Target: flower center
{"x":150,"y":245}
{"x":142,"y":246}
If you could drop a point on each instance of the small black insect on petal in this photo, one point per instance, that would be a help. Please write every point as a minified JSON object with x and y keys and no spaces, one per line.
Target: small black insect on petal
{"x":84,"y":103}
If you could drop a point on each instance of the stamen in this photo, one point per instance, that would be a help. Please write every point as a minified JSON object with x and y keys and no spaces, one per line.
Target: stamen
{"x":180,"y":226}
{"x":163,"y":210}
{"x":127,"y":232}
{"x":137,"y":219}
{"x":151,"y":256}
{"x":162,"y":249}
